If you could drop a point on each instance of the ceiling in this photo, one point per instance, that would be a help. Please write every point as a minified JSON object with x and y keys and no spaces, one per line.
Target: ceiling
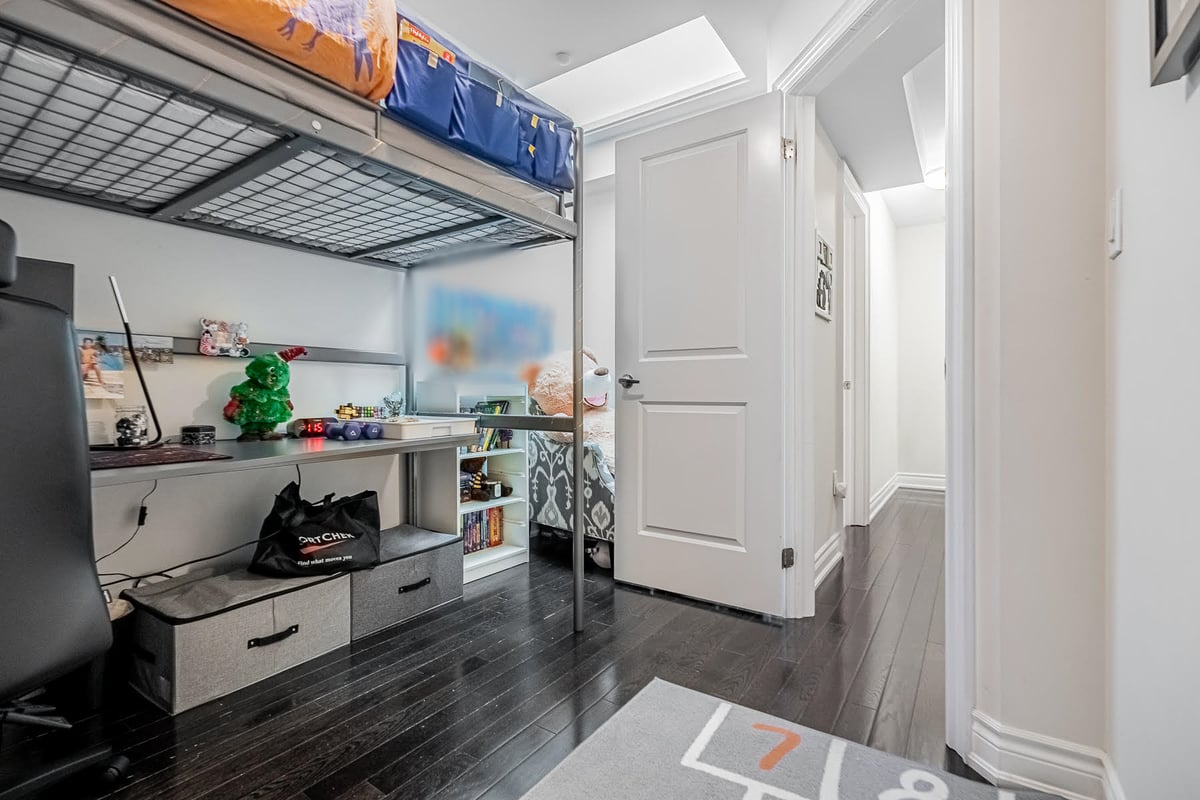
{"x":521,"y":38}
{"x":916,"y":204}
{"x":864,"y":110}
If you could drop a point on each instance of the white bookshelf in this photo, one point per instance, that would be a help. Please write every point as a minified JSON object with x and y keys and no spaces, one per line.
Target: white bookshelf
{"x":508,"y":465}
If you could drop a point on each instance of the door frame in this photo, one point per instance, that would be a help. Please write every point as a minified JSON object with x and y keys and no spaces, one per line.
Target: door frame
{"x":843,"y":39}
{"x":856,"y":351}
{"x":800,"y":231}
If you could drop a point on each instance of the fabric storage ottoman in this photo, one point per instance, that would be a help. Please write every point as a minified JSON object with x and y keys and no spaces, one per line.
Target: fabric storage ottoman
{"x":203,"y":635}
{"x":419,"y":570}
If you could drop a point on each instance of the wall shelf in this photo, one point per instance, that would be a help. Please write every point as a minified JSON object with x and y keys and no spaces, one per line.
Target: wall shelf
{"x":511,"y":451}
{"x":491,"y":560}
{"x":329,"y":355}
{"x":483,"y":505}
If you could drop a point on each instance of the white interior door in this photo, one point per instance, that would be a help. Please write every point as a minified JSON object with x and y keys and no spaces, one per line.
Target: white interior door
{"x":700,"y":325}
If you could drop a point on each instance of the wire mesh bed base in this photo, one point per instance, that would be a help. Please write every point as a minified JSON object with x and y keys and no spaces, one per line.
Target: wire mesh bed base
{"x":79,"y":129}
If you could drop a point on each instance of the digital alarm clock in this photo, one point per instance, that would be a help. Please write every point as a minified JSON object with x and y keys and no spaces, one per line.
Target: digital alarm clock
{"x":309,"y":427}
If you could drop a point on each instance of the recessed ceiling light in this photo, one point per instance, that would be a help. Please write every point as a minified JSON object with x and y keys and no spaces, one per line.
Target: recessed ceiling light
{"x":562,"y":57}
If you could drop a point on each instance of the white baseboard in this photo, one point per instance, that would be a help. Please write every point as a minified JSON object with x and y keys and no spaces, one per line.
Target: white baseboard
{"x":1112,"y":784}
{"x":925,"y":483}
{"x":881,"y":498}
{"x":1015,"y":758}
{"x":828,"y":556}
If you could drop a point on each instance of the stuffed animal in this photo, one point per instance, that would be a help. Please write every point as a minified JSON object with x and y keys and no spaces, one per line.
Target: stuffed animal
{"x":550,"y":385}
{"x":261,"y":402}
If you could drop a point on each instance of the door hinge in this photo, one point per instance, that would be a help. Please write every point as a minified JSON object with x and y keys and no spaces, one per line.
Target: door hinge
{"x":789,"y":558}
{"x":789,"y":149}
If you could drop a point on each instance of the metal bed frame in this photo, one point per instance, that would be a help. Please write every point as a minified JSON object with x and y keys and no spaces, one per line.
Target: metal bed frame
{"x":131,"y":106}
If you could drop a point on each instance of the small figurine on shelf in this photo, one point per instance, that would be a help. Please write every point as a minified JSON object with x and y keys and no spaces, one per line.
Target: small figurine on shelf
{"x":132,"y":430}
{"x":506,"y":437}
{"x":259,"y":404}
{"x":393,"y":404}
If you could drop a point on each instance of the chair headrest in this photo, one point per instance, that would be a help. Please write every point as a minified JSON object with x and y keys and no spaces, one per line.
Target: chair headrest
{"x":8,"y":255}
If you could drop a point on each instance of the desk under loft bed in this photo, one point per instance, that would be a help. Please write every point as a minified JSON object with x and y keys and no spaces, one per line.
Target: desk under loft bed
{"x":225,"y":138}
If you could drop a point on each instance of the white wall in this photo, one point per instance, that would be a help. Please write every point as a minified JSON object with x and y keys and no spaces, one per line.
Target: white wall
{"x":170,"y":277}
{"x":1040,"y":367}
{"x":885,"y":338}
{"x":1154,"y":389}
{"x":921,"y":283}
{"x":826,"y":370}
{"x":542,"y":276}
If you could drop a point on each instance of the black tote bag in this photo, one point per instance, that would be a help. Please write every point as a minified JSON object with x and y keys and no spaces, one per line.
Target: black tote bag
{"x":300,"y":538}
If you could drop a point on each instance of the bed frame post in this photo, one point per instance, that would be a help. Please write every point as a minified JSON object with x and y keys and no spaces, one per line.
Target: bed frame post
{"x":579,"y":542}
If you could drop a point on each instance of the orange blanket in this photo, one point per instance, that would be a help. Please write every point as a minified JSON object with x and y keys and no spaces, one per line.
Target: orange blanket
{"x":350,"y":42}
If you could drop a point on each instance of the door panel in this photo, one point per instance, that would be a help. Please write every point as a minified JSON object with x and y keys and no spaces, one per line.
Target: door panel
{"x":698,"y":235}
{"x":700,"y":307}
{"x":689,"y":448}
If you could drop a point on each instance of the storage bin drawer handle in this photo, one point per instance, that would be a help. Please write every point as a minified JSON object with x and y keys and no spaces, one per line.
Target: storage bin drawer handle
{"x":412,"y":587}
{"x":263,"y":641}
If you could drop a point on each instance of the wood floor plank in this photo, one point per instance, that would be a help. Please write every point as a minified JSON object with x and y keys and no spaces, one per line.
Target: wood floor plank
{"x":525,"y":775}
{"x":854,"y":723}
{"x":484,"y":774}
{"x":927,"y":733}
{"x":937,"y":625}
{"x":822,"y":709}
{"x":867,"y":687}
{"x":892,"y":726}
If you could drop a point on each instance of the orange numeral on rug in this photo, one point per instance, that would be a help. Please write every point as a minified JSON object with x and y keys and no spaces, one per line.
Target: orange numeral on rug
{"x":791,"y":740}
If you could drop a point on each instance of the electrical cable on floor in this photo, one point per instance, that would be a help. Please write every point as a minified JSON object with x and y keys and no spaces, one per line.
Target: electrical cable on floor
{"x":142,"y":514}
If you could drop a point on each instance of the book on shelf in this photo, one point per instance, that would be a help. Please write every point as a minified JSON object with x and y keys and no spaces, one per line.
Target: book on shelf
{"x":482,"y":529}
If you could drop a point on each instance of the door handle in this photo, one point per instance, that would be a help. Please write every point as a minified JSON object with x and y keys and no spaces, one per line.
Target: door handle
{"x":628,"y":381}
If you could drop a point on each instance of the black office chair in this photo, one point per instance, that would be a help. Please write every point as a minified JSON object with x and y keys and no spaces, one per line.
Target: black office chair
{"x":53,"y":618}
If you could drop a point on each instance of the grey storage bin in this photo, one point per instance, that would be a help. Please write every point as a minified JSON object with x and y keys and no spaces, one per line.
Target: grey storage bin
{"x":419,"y":570}
{"x":203,"y":635}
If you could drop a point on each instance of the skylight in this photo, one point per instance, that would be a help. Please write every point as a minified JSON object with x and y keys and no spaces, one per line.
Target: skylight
{"x":677,"y":64}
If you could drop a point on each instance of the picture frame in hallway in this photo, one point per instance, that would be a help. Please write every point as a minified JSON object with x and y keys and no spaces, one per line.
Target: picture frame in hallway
{"x":824,"y":294}
{"x":1174,"y":39}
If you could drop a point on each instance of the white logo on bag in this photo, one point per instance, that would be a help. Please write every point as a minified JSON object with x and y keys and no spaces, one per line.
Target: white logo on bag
{"x":325,"y":538}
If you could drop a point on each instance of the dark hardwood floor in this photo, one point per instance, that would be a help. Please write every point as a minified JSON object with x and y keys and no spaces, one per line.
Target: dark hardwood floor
{"x":482,"y":698}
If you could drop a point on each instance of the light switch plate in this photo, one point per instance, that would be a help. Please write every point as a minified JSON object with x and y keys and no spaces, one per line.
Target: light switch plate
{"x":1115,"y":229}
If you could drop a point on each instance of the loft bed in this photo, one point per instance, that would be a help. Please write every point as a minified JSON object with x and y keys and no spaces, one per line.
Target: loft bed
{"x":133,"y":107}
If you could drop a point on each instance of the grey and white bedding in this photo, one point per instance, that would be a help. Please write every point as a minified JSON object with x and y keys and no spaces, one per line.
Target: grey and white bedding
{"x":552,"y":487}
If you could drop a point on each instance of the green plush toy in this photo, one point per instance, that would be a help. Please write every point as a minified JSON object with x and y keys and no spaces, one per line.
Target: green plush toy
{"x":258,"y":405}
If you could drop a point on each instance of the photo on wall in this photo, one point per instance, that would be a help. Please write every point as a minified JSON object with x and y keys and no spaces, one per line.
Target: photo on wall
{"x":1174,"y":39}
{"x":101,"y":365}
{"x":824,"y":296}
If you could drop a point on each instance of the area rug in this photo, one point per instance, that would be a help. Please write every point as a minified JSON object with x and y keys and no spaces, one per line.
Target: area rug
{"x":671,"y":743}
